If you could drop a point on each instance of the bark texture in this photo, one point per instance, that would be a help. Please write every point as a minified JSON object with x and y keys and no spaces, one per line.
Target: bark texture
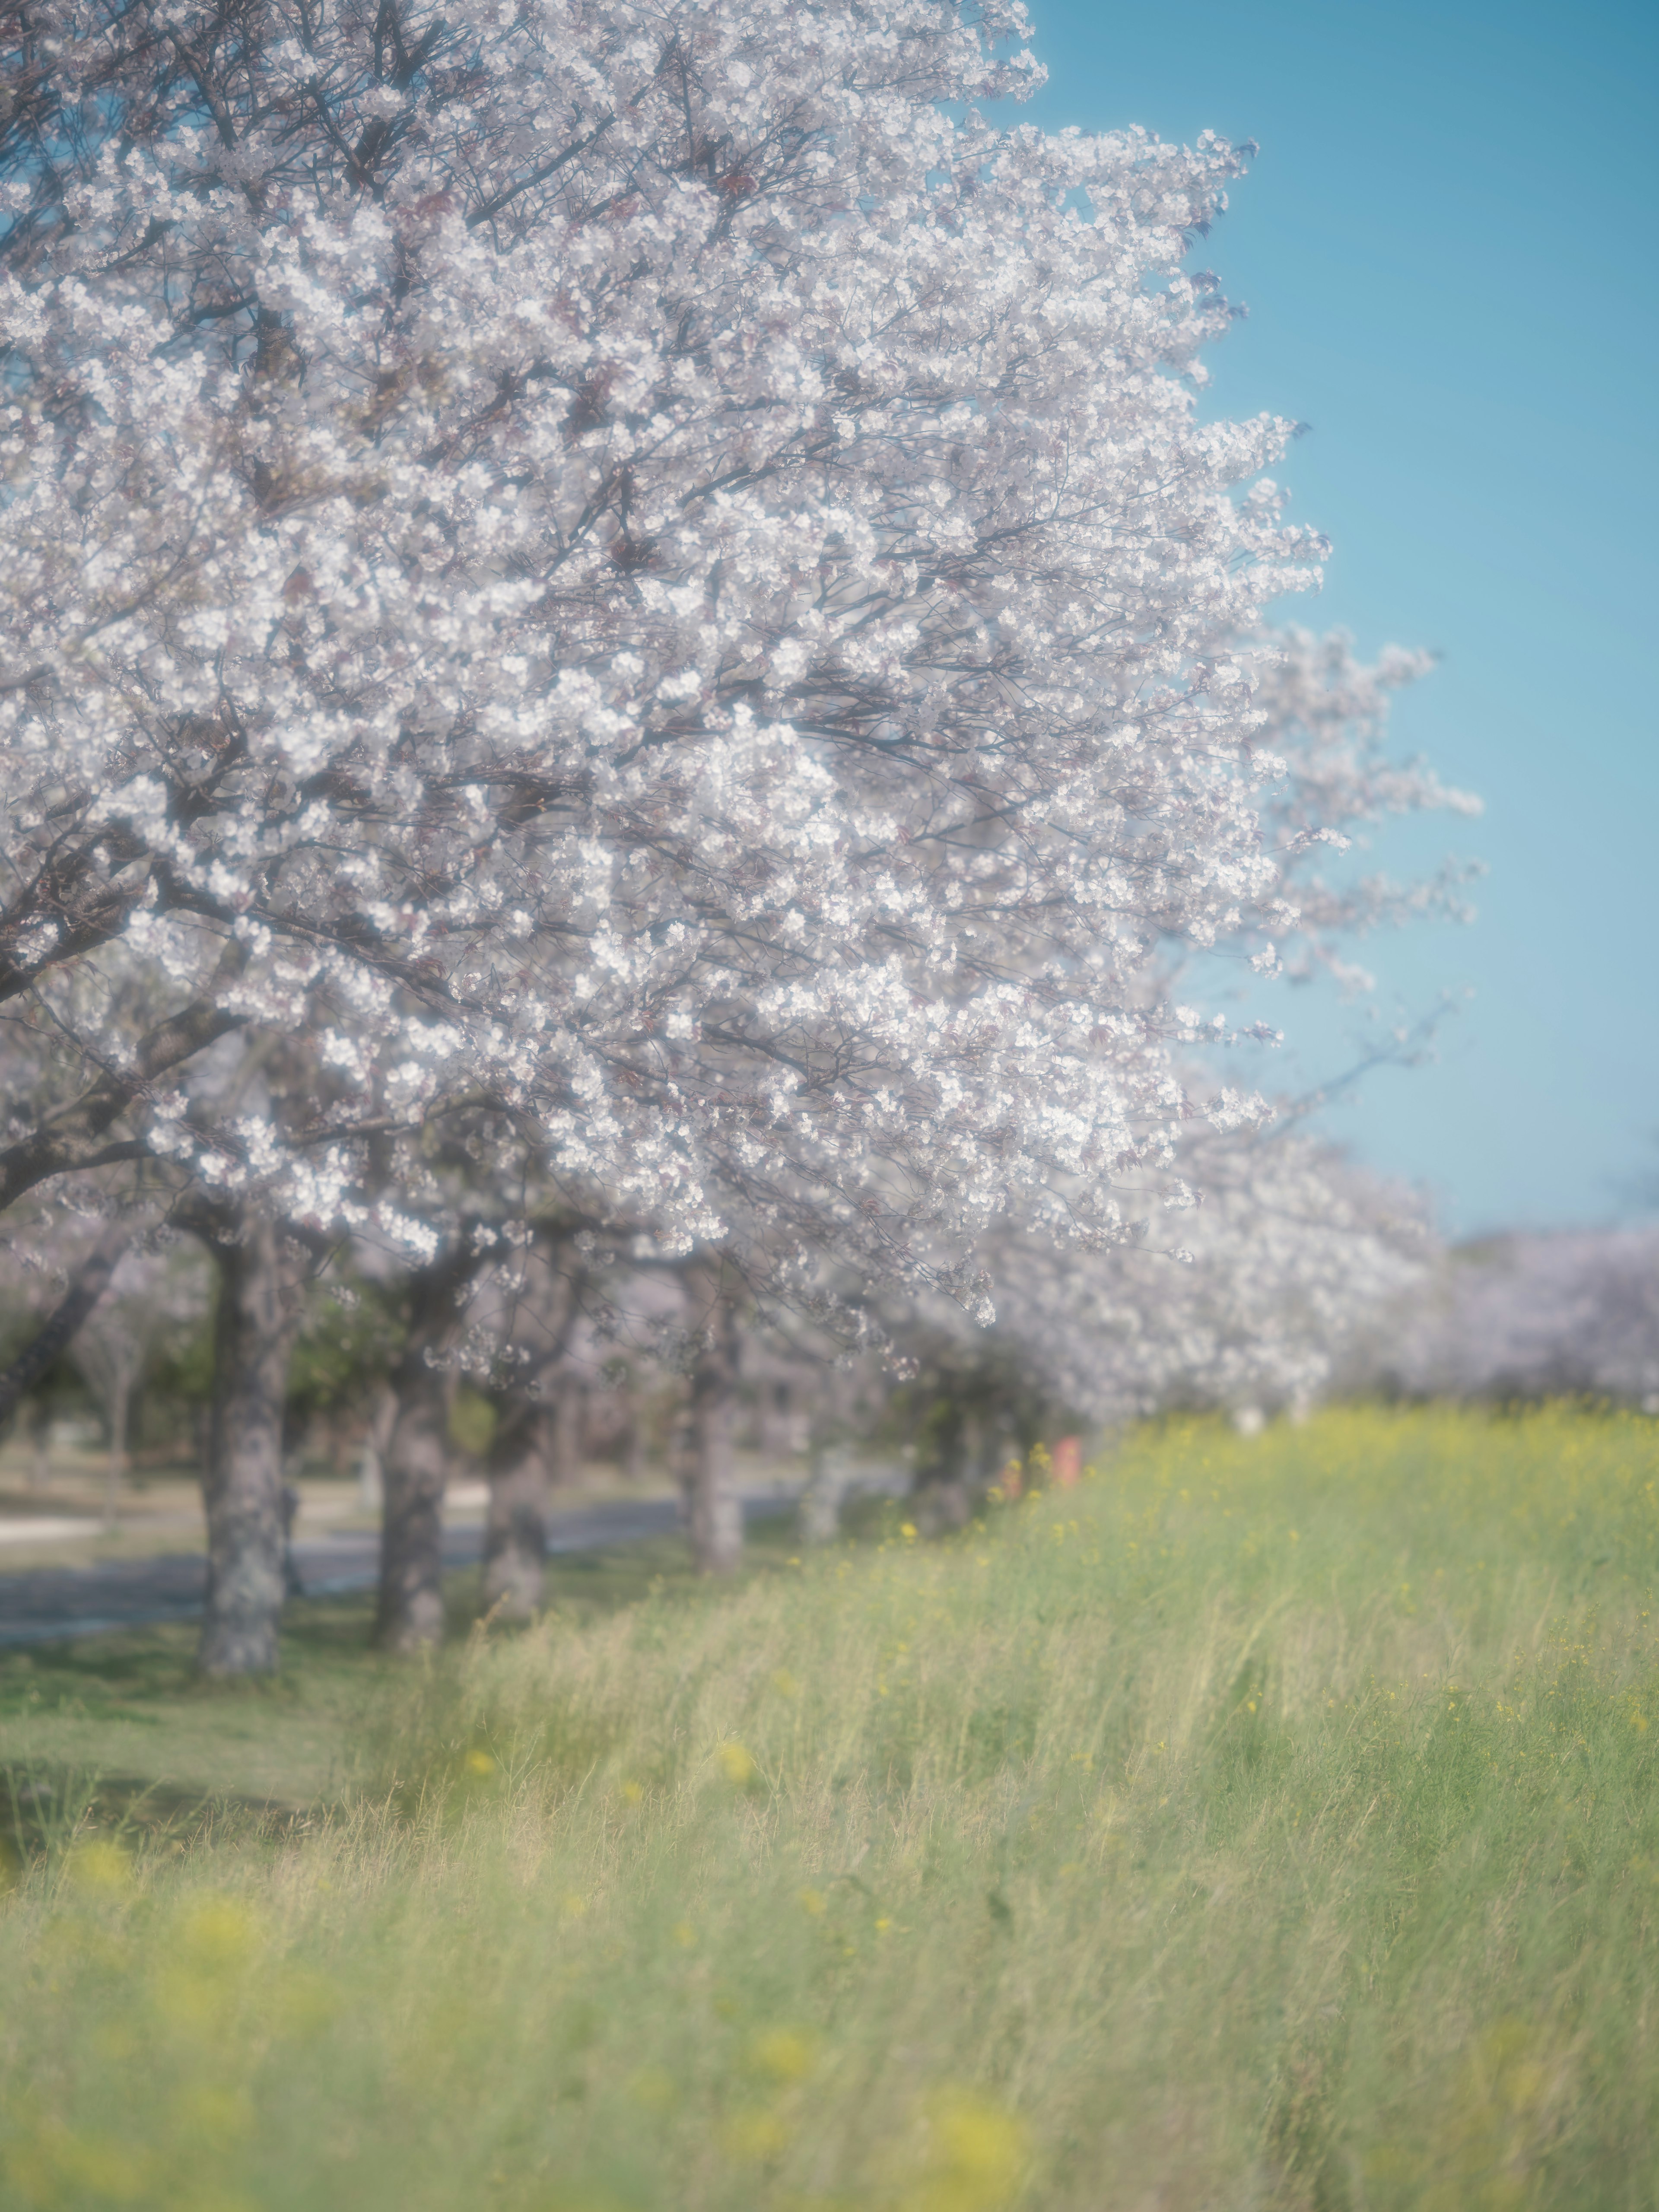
{"x":515,"y":1533}
{"x":415,"y":1459}
{"x":410,"y":1613}
{"x":537,"y":1445}
{"x":713,"y":1518}
{"x":415,"y":1465}
{"x":254,"y":1327}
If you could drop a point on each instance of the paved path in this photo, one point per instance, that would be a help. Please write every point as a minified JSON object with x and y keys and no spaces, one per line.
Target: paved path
{"x":50,"y":1604}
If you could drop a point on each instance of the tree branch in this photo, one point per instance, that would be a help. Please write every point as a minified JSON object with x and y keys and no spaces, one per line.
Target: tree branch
{"x":68,"y":1138}
{"x":58,"y":1332}
{"x":494,"y":205}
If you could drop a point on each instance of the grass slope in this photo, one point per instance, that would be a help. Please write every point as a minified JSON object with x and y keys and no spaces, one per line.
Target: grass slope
{"x":1265,"y":1824}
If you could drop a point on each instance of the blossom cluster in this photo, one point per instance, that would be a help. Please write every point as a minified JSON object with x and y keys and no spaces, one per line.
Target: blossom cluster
{"x":1283,"y":1278}
{"x":655,"y":574}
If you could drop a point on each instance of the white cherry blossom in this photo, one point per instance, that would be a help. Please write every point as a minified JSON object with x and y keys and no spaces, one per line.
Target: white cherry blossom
{"x":651,"y":567}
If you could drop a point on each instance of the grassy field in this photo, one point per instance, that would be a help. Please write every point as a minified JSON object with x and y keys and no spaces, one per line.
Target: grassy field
{"x":1265,"y":1824}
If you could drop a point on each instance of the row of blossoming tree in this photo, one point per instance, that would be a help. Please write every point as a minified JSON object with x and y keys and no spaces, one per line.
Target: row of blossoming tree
{"x":627,"y":656}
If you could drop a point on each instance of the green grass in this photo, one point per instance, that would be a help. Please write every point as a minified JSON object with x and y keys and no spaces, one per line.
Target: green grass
{"x":119,"y":1723}
{"x":1267,"y":1824}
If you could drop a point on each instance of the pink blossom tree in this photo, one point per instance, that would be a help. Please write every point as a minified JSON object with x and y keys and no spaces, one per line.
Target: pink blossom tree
{"x":649,"y":576}
{"x":1532,"y":1316}
{"x":1272,"y":1285}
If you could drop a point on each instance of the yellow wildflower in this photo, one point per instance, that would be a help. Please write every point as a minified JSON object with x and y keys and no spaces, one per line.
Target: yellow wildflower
{"x":736,"y":1764}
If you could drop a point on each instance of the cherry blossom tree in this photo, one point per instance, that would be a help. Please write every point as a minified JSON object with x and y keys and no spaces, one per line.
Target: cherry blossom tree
{"x":1572,"y":1313}
{"x":1268,"y":1289}
{"x":679,"y":644}
{"x":1288,"y":1272}
{"x":651,"y":574}
{"x":1334,"y":780}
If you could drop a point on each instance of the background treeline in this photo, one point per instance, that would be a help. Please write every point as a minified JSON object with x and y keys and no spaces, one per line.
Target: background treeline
{"x":561,"y":1361}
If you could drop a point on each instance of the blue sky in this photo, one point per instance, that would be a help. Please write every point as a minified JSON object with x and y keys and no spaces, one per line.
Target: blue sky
{"x":1445,"y":245}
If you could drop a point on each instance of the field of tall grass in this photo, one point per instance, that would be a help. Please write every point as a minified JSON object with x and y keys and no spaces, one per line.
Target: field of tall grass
{"x":1264,"y":1823}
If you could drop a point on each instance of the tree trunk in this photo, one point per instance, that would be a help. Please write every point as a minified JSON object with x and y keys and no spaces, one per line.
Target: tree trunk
{"x":777,"y":1421}
{"x":40,"y":1429}
{"x":535,"y":1450}
{"x":371,"y":1488}
{"x":515,"y":1533}
{"x":633,"y":1450}
{"x":831,"y":1430}
{"x":941,"y":1499}
{"x":413,"y":1471}
{"x":120,"y":1405}
{"x":254,"y":1337}
{"x":414,"y":1464}
{"x":712,"y":1517}
{"x":567,"y":1433}
{"x":828,"y":1472}
{"x":537,"y":1443}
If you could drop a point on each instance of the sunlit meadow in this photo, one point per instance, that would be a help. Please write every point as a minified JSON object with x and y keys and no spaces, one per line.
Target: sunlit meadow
{"x":1265,"y":1822}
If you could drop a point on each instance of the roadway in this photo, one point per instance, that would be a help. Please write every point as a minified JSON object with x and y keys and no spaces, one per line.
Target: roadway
{"x":49,"y":1605}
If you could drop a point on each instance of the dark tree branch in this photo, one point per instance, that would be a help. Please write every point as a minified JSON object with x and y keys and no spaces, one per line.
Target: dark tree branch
{"x":67,"y":1140}
{"x":61,"y":1327}
{"x":494,"y":205}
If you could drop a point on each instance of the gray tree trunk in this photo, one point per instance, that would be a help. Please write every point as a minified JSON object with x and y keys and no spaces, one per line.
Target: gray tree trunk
{"x":415,"y":1465}
{"x":567,"y":1433}
{"x":371,"y":1490}
{"x":254,"y":1327}
{"x":415,"y":1461}
{"x":515,"y":1533}
{"x":777,"y":1421}
{"x":410,"y":1612}
{"x":537,"y":1439}
{"x":120,"y":1408}
{"x":713,"y":1518}
{"x":830,"y":1468}
{"x":40,"y":1430}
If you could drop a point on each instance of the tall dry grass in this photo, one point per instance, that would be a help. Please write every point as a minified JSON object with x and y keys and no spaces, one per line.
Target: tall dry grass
{"x":1266,"y":1823}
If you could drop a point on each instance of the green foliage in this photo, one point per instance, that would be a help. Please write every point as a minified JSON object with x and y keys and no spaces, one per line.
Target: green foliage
{"x":350,"y":1340}
{"x":178,"y":1387}
{"x":1268,"y":1824}
{"x":472,"y":1421}
{"x":960,"y":1392}
{"x":348,"y":1343}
